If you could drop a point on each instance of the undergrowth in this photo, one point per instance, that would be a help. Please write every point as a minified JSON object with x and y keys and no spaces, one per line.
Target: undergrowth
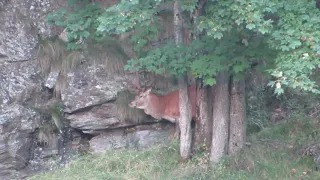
{"x":270,"y":155}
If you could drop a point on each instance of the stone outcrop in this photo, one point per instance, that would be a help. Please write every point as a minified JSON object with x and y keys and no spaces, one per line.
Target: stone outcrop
{"x":17,"y":125}
{"x":138,"y":137}
{"x":98,"y":118}
{"x":93,"y":102}
{"x":19,"y":80}
{"x":89,"y":86}
{"x":22,"y":23}
{"x":90,"y":100}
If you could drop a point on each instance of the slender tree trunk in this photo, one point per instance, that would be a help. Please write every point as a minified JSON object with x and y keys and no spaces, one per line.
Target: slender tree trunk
{"x":203,"y":119}
{"x":237,"y":134}
{"x":221,"y":116}
{"x":184,"y":100}
{"x":185,"y":120}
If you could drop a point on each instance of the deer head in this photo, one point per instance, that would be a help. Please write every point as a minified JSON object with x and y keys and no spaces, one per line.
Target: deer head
{"x":141,"y":99}
{"x":142,"y":94}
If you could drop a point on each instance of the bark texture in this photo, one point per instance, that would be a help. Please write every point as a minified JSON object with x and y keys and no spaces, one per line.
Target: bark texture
{"x":184,"y":100}
{"x":221,"y":116}
{"x":203,"y":131}
{"x":177,"y":23}
{"x":203,"y":118}
{"x":237,"y":130}
{"x":185,"y":120}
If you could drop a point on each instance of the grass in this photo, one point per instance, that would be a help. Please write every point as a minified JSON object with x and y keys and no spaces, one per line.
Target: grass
{"x":271,"y":155}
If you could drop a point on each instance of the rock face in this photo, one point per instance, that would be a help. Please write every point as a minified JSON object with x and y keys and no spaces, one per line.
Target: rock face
{"x":93,"y":104}
{"x":22,"y":23}
{"x":18,"y":81}
{"x":138,"y":137}
{"x":98,"y":118}
{"x":90,"y":100}
{"x":17,"y":125}
{"x":89,"y":86}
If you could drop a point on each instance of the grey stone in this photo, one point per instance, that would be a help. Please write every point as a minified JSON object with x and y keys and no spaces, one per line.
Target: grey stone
{"x":22,"y":23}
{"x":108,"y":141}
{"x":51,"y":80}
{"x":147,"y":138}
{"x":17,"y":125}
{"x":2,"y":4}
{"x":17,"y":81}
{"x":89,"y":86}
{"x":139,"y":137}
{"x":98,"y":118}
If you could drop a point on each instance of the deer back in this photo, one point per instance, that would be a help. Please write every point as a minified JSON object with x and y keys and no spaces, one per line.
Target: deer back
{"x":169,"y":105}
{"x":166,"y":107}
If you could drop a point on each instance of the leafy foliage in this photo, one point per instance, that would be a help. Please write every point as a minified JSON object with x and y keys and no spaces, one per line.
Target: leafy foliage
{"x":242,"y":14}
{"x":297,"y":36}
{"x":136,"y":15}
{"x":284,"y":35}
{"x":80,"y":23}
{"x":126,"y":15}
{"x":203,"y":57}
{"x":290,"y":27}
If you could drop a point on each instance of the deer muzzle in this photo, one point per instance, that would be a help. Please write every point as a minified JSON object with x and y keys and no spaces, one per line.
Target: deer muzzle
{"x":132,"y":104}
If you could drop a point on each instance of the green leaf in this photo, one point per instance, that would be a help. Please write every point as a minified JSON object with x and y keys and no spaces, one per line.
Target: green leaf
{"x":210,"y":81}
{"x":218,"y":35}
{"x":294,"y":44}
{"x":250,"y":26}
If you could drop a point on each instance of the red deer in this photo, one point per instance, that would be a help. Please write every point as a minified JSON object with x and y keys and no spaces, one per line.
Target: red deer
{"x":166,"y":107}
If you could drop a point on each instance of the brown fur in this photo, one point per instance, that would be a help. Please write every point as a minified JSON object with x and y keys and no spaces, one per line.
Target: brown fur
{"x":166,"y":107}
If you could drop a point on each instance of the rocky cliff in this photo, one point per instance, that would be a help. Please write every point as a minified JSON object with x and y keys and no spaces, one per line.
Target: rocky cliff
{"x":52,"y":109}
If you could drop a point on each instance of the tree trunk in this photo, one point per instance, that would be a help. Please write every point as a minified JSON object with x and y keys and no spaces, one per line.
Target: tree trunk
{"x":184,"y":100}
{"x":203,"y":119}
{"x":177,"y":23}
{"x":237,"y":134}
{"x":185,"y":120}
{"x":221,"y":116}
{"x":204,"y":115}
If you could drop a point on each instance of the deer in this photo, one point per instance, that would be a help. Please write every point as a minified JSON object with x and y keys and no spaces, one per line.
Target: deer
{"x":161,"y":107}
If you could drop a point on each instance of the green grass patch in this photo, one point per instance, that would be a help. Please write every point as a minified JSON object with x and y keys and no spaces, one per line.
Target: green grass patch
{"x":271,"y":156}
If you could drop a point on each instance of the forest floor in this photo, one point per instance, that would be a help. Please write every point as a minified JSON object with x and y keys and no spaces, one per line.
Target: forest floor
{"x":271,"y":154}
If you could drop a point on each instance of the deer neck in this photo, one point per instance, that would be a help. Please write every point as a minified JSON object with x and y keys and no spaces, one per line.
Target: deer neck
{"x":155,"y":107}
